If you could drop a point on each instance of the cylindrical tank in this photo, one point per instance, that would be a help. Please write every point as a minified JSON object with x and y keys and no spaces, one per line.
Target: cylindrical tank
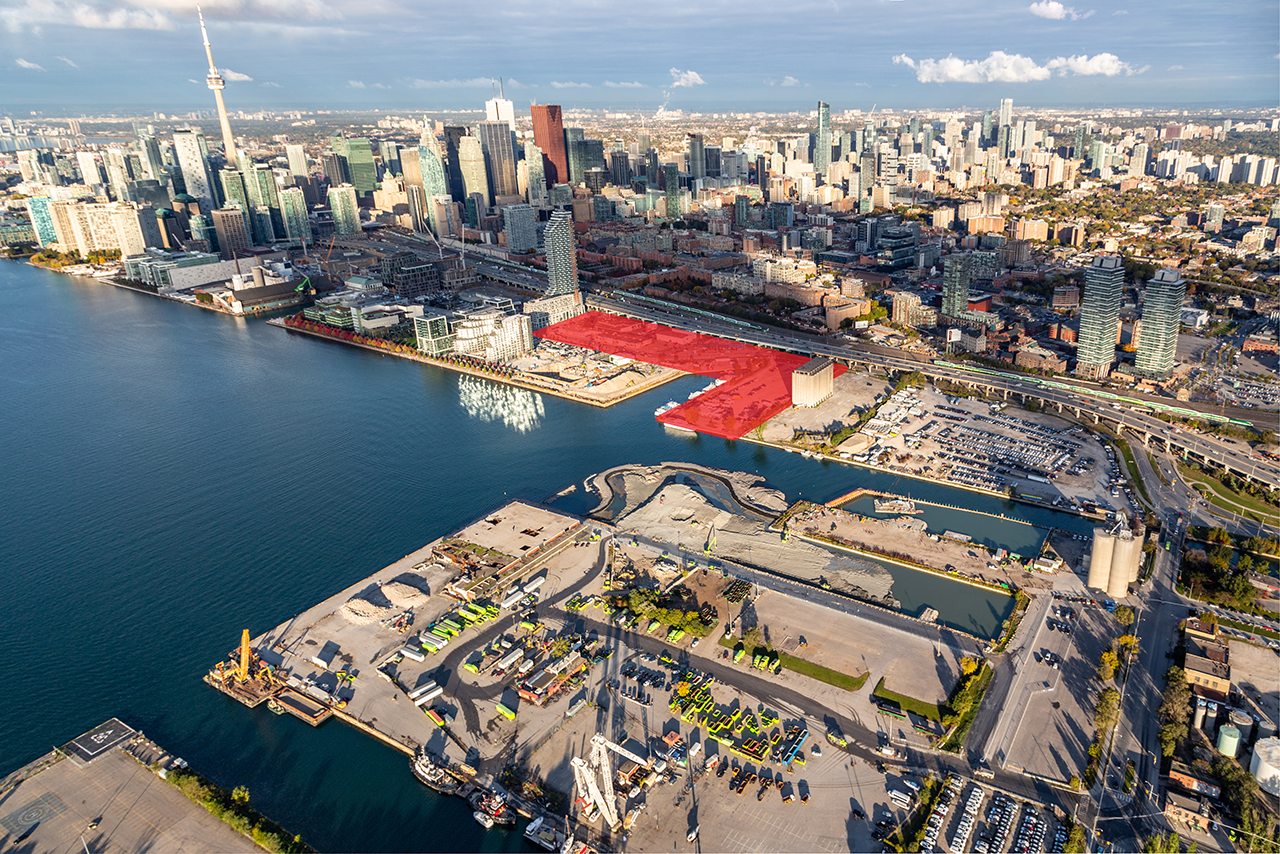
{"x":1200,"y":710}
{"x":1100,"y":563}
{"x":1266,"y":764}
{"x":1135,"y":563}
{"x":1122,"y":554}
{"x":1242,"y":721}
{"x":1228,"y":741}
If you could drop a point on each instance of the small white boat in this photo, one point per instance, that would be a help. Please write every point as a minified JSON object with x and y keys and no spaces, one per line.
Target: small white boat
{"x":483,"y":819}
{"x":693,"y":834}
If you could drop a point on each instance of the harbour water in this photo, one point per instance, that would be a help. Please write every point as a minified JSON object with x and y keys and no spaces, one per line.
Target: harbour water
{"x":173,"y":476}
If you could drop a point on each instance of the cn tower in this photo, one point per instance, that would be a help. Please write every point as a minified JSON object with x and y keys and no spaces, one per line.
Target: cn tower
{"x":217,"y":84}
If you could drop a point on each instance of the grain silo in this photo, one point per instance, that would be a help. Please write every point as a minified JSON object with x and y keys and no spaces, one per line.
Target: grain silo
{"x":1242,"y":721}
{"x":1100,"y":563}
{"x":1124,"y":557}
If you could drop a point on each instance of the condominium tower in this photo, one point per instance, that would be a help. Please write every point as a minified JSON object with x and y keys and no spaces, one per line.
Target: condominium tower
{"x":1099,"y":317}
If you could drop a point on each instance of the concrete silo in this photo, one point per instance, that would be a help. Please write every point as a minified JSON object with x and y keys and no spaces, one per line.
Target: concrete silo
{"x":1266,"y":764}
{"x":1100,"y":563}
{"x":1124,"y":557}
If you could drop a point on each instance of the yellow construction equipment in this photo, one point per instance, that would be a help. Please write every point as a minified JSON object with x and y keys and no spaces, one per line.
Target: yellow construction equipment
{"x":242,"y":671}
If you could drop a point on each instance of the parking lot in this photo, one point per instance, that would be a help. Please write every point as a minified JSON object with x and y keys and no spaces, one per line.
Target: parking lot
{"x":971,"y":817}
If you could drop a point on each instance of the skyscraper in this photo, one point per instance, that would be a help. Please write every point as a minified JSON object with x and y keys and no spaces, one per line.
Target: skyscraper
{"x":1006,"y":112}
{"x":452,"y":170}
{"x":955,"y":285}
{"x":548,"y":135}
{"x":1161,"y":320}
{"x":294,"y":209}
{"x":361,"y":169}
{"x":671,"y":176}
{"x":520,"y":222}
{"x":231,"y":226}
{"x":576,"y":154}
{"x":193,"y":160}
{"x":1099,"y":316}
{"x":562,"y":256}
{"x":500,"y":159}
{"x":346,"y":209}
{"x":434,"y":181}
{"x":697,"y":156}
{"x":216,"y":83}
{"x":499,"y":109}
{"x":535,"y":162}
{"x":297,"y":156}
{"x":822,"y":145}
{"x":471,"y":163}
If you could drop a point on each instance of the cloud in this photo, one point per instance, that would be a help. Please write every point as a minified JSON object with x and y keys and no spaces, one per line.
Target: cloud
{"x":474,"y":82}
{"x":193,"y":80}
{"x":610,"y":84}
{"x":1106,"y":64}
{"x":67,"y":61}
{"x":235,"y":76}
{"x":790,"y":81}
{"x":270,"y":85}
{"x":686,"y":78}
{"x":381,"y":86}
{"x":355,"y":84}
{"x":1001,"y":67}
{"x":1120,"y":12}
{"x":1055,"y":11}
{"x":1175,"y":68}
{"x":569,"y":84}
{"x":30,"y":66}
{"x":516,"y":84}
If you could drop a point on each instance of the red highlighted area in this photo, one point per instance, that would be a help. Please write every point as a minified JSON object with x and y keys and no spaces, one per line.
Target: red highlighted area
{"x":757,"y":381}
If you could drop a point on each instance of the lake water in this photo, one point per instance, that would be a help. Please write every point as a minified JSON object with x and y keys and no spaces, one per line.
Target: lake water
{"x":173,"y":476}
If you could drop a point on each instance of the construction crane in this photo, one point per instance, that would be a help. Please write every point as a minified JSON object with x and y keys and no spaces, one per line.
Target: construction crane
{"x":241,"y":672}
{"x":332,"y":241}
{"x":593,"y":777}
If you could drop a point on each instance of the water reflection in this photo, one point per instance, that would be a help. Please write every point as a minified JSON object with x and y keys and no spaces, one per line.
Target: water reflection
{"x":487,"y":401}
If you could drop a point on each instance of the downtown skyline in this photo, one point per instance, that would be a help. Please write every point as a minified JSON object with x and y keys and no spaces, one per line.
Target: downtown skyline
{"x":897,"y":54}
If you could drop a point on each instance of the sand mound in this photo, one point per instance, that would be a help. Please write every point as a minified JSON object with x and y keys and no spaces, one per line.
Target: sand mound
{"x":368,"y":608}
{"x":403,"y":595}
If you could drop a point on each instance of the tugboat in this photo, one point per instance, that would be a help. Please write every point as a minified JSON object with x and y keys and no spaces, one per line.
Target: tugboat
{"x":541,"y":833}
{"x":904,"y":506}
{"x":433,"y":774}
{"x":483,"y":819}
{"x":493,"y":805}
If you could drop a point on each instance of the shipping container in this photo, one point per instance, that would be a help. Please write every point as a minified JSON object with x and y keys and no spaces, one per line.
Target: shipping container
{"x":512,"y":599}
{"x":534,"y":584}
{"x":435,"y":717}
{"x":505,"y":712}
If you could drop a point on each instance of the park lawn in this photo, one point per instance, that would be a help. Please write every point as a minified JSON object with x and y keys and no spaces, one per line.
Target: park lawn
{"x":1228,"y":499}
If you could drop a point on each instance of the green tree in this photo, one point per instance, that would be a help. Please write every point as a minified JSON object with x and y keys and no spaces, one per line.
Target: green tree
{"x":1108,"y":709}
{"x":1125,"y":616}
{"x":1107,"y":666}
{"x":1162,"y":844}
{"x":240,"y":795}
{"x":1075,"y":840}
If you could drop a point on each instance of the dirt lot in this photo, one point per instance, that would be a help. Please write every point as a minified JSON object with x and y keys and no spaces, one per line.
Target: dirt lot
{"x":853,"y":393}
{"x":1254,"y":669}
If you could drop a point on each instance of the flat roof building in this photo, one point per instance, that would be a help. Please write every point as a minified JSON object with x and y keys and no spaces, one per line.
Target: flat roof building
{"x":812,"y":382}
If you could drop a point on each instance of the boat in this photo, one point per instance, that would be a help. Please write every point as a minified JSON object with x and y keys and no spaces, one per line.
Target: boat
{"x":493,"y":805}
{"x":669,"y":405}
{"x":897,"y":505}
{"x":483,"y":819}
{"x":543,"y":834}
{"x":433,"y":774}
{"x":274,"y":706}
{"x":693,"y":834}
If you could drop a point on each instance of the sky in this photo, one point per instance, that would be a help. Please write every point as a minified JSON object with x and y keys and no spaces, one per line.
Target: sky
{"x":85,"y":56}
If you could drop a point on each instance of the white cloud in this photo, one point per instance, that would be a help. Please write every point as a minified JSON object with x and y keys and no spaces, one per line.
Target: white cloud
{"x":235,"y":76}
{"x":686,"y":78}
{"x":569,"y":84}
{"x":30,"y":66}
{"x":1120,"y":12}
{"x":516,"y":84}
{"x":1175,"y":68}
{"x":270,"y":85}
{"x":381,"y":86}
{"x":790,"y":81}
{"x":1055,"y":11}
{"x":1106,"y":64}
{"x":474,"y":82}
{"x":67,"y":61}
{"x":1001,"y":67}
{"x":355,"y":84}
{"x":610,"y":84}
{"x":193,"y":80}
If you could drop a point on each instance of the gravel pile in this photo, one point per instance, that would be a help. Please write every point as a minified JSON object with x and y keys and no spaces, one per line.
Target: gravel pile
{"x":363,"y":612}
{"x":403,"y":595}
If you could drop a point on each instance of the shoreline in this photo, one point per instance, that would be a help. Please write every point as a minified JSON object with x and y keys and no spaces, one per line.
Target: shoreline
{"x":515,"y":381}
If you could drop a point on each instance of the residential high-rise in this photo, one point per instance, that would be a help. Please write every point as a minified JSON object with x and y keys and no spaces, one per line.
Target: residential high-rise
{"x":697,"y":156}
{"x":293,"y":206}
{"x":822,"y":145}
{"x":41,"y":220}
{"x":575,"y":152}
{"x":955,"y":285}
{"x":1161,"y":320}
{"x":499,"y":158}
{"x":520,"y":222}
{"x":152,"y":162}
{"x":193,"y":160}
{"x":1006,"y":112}
{"x":535,"y":162}
{"x":1099,"y":317}
{"x":453,"y":170}
{"x":231,"y":226}
{"x":297,"y":156}
{"x":986,"y":128}
{"x":1140,"y":159}
{"x":548,"y":135}
{"x":672,"y":179}
{"x":434,"y":180}
{"x":361,"y":169}
{"x":118,"y":176}
{"x":471,"y":163}
{"x":216,"y":83}
{"x":90,"y":170}
{"x":346,"y":209}
{"x":562,"y":255}
{"x":234,"y":193}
